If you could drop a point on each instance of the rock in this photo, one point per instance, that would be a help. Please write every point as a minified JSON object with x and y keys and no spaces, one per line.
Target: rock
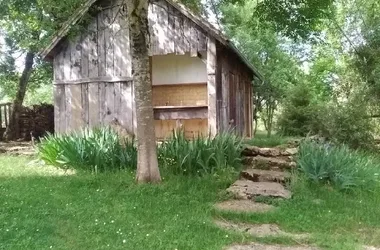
{"x":255,"y":151}
{"x":289,"y":152}
{"x":266,"y":163}
{"x":245,"y":189}
{"x":370,"y":248}
{"x":258,"y":175}
{"x":250,"y":151}
{"x":244,"y":206}
{"x":255,"y":246}
{"x":258,"y":230}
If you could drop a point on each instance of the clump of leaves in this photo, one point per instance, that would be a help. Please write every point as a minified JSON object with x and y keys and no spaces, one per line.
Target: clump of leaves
{"x":98,"y":150}
{"x":338,"y":166}
{"x":201,"y":155}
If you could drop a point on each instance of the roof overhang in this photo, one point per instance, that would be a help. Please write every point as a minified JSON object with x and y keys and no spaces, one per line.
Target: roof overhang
{"x":48,"y":52}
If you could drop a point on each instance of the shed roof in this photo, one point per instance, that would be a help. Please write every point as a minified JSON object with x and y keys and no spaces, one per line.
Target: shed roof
{"x":47,"y":52}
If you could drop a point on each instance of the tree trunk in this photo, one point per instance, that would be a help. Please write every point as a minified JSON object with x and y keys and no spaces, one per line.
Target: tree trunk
{"x":147,"y":162}
{"x":13,"y":129}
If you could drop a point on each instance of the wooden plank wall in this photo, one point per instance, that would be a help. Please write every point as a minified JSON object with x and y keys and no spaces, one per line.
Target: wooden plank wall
{"x":103,"y":52}
{"x":92,"y":105}
{"x":172,"y":32}
{"x":234,"y":93}
{"x":92,"y":72}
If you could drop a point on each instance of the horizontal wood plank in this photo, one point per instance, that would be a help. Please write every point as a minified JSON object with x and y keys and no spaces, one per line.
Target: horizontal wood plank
{"x":180,"y":113}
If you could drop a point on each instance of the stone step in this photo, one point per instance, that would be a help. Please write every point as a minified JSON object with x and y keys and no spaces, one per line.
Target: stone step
{"x":258,"y":175}
{"x":246,"y":189}
{"x":267,"y":163}
{"x":255,"y":246}
{"x":269,"y":152}
{"x":244,"y":206}
{"x":258,"y":230}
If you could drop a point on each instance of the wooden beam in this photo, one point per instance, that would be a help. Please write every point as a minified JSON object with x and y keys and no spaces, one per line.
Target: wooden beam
{"x":211,"y":85}
{"x":180,"y":113}
{"x":95,"y":80}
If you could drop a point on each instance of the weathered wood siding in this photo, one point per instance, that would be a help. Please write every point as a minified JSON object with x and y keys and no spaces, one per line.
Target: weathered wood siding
{"x":233,"y":93}
{"x":92,"y":72}
{"x":93,"y":104}
{"x":103,"y":52}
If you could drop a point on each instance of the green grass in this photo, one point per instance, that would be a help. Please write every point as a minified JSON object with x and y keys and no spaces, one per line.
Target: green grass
{"x":40,"y":207}
{"x":334,"y":220}
{"x":262,"y":140}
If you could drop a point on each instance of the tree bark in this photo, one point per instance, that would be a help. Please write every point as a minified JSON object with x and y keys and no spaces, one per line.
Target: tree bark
{"x":147,"y":162}
{"x":13,"y":130}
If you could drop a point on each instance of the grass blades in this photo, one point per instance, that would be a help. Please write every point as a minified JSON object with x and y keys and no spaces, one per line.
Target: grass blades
{"x":102,"y":150}
{"x":338,"y":166}
{"x":201,"y":155}
{"x":97,"y":150}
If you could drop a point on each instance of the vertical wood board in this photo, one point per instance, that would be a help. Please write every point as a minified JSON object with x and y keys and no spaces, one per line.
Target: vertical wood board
{"x":93,"y":105}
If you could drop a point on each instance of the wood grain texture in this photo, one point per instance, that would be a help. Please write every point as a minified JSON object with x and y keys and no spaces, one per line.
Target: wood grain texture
{"x":93,"y":104}
{"x":68,"y":116}
{"x":101,"y":43}
{"x":102,"y":103}
{"x":76,"y":60}
{"x":85,"y":104}
{"x":76,"y":107}
{"x":211,"y":86}
{"x":59,"y":109}
{"x":109,"y":36}
{"x":126,"y":109}
{"x":85,"y":55}
{"x":110,"y":103}
{"x":93,"y":57}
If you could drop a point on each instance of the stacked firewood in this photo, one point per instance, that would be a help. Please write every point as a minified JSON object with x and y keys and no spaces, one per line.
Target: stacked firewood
{"x":36,"y":121}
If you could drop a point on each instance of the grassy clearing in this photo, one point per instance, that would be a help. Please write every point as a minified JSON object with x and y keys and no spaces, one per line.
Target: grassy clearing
{"x":262,"y":140}
{"x":106,"y":211}
{"x":336,"y":197}
{"x":335,"y":220}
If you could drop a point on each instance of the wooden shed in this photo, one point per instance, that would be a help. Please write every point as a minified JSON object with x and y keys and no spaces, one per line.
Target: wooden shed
{"x":201,"y":82}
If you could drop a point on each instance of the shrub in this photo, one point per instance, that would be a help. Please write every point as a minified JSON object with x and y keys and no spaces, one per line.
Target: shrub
{"x":346,"y":123}
{"x":200,"y":155}
{"x":98,"y":150}
{"x":340,"y":167}
{"x":299,"y":111}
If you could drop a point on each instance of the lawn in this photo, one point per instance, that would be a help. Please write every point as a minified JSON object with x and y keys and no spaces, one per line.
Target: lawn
{"x":261,"y":139}
{"x":42,"y":208}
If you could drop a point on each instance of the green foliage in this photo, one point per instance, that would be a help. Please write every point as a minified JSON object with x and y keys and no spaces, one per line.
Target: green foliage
{"x":299,"y":111}
{"x":296,"y":19}
{"x":339,"y":167}
{"x":265,"y":49}
{"x":263,"y":140}
{"x":98,"y":150}
{"x":102,"y":150}
{"x":200,"y":155}
{"x":347,"y":123}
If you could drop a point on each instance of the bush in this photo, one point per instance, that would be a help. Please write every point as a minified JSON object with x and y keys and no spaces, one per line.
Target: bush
{"x":346,"y":123}
{"x":299,"y":111}
{"x":200,"y":155}
{"x":339,"y":167}
{"x":98,"y":150}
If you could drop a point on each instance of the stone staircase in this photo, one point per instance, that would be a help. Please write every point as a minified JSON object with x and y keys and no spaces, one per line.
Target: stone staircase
{"x":266,"y":173}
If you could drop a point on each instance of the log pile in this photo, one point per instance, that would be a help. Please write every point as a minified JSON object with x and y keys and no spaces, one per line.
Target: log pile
{"x":37,"y":121}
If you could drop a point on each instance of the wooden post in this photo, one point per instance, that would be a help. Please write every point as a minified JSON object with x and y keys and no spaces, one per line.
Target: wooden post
{"x":211,"y":85}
